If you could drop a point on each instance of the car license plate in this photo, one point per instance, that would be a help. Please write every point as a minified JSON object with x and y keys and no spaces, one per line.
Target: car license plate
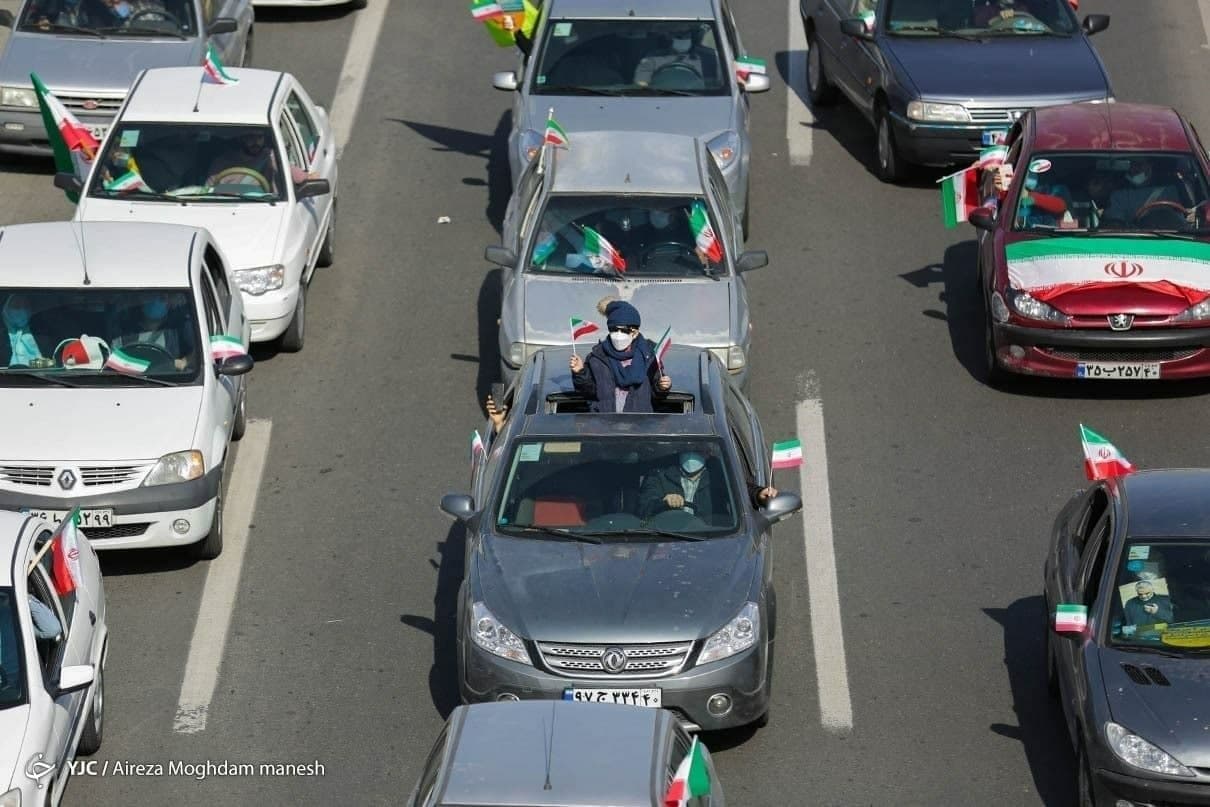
{"x":88,"y":518}
{"x":1119,"y":371}
{"x":629,"y":697}
{"x":98,"y":131}
{"x":994,"y":137}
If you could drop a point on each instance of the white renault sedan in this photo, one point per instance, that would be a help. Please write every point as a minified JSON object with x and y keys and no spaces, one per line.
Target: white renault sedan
{"x":122,"y":378}
{"x":253,"y":162}
{"x":53,"y":644}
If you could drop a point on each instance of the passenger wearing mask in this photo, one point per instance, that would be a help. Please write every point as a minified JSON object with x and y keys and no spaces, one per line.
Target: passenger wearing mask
{"x":681,"y":51}
{"x":154,"y":328}
{"x":621,"y":373}
{"x":23,"y":348}
{"x":686,"y":486}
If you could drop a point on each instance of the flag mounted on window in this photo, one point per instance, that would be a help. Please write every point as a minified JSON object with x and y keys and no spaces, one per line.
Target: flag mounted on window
{"x":1102,"y":460}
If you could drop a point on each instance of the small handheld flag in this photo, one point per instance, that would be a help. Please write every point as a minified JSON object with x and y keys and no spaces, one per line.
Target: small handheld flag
{"x":748,"y":65}
{"x":1102,"y":460}
{"x":130,"y":181}
{"x":72,"y":142}
{"x":213,"y":70}
{"x":580,"y":328}
{"x":65,"y":566}
{"x":787,"y":454}
{"x":477,"y":447}
{"x":1071,"y":617}
{"x":662,"y":346}
{"x":960,"y":190}
{"x":484,"y":10}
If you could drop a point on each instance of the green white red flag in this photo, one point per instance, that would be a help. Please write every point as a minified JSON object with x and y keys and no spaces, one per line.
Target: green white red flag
{"x":1102,"y":460}
{"x":224,"y":346}
{"x":213,"y":70}
{"x":477,"y":447}
{"x":606,"y":254}
{"x":581,"y":327}
{"x":1070,"y":617}
{"x":59,"y":121}
{"x":662,"y":346}
{"x":703,"y":233}
{"x":960,"y":190}
{"x":747,"y":65}
{"x":555,"y":136}
{"x":130,"y":181}
{"x":484,"y":10}
{"x":125,"y":363}
{"x":692,"y":778}
{"x":65,"y":554}
{"x":787,"y":454}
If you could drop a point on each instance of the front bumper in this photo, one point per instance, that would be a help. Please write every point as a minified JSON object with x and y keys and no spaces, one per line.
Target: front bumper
{"x":1059,"y":353}
{"x":270,"y":313}
{"x":22,"y":131}
{"x":937,"y":143}
{"x":1113,"y":788}
{"x":742,"y":678}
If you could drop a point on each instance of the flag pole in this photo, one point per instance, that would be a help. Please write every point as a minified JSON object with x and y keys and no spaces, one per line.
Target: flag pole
{"x":197,"y":99}
{"x":573,"y":343}
{"x":550,"y":115}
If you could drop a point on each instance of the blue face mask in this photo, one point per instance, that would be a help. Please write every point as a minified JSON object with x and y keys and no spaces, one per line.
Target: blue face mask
{"x":18,"y":318}
{"x":155,"y":309}
{"x":1031,"y":183}
{"x":122,"y":10}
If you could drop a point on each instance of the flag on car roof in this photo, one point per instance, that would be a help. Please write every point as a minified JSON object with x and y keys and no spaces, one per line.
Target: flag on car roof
{"x":213,"y":68}
{"x":224,"y":346}
{"x":662,"y":346}
{"x":581,"y":327}
{"x":598,"y":246}
{"x":125,"y":363}
{"x":787,"y":454}
{"x":692,"y":778}
{"x":1102,"y":460}
{"x":555,"y":135}
{"x":703,"y":234}
{"x":65,"y":559}
{"x":747,"y":65}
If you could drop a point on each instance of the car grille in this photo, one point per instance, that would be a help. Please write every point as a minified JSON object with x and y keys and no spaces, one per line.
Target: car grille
{"x":109,"y":474}
{"x":1159,"y":354}
{"x":102,"y":105}
{"x":37,"y":475}
{"x":90,"y":475}
{"x":116,"y":531}
{"x":1005,"y":117}
{"x":642,"y":661}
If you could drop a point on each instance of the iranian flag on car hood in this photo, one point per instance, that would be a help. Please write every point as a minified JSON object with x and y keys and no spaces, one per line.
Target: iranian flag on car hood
{"x":1051,"y":267}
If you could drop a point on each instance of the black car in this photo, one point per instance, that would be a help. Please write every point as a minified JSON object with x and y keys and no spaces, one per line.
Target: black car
{"x":595,"y":572}
{"x":941,"y":79}
{"x":1128,"y":645}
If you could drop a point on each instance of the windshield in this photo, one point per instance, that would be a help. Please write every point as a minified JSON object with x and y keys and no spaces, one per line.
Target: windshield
{"x":98,"y":337}
{"x":199,"y":161}
{"x":631,"y":236}
{"x":12,"y":674}
{"x":609,"y":486}
{"x":1113,"y":191}
{"x":980,"y":17}
{"x":1162,"y":597}
{"x":119,"y":18}
{"x":632,"y":57}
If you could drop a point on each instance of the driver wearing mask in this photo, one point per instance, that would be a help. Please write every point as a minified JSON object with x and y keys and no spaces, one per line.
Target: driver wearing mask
{"x":1141,"y":189}
{"x":681,"y":58}
{"x":686,"y":486}
{"x":154,"y":328}
{"x":23,"y":350}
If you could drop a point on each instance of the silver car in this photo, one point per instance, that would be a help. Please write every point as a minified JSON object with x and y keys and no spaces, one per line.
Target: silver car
{"x":87,"y":52}
{"x":667,"y":66}
{"x":623,"y":186}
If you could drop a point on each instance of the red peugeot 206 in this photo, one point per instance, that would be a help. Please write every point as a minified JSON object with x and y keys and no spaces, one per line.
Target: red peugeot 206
{"x":1095,"y":261}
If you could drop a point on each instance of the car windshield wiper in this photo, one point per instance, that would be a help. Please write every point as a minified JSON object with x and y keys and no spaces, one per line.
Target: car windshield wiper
{"x":649,"y":531}
{"x":666,"y":91}
{"x":58,"y":26}
{"x":571,"y":89}
{"x":136,"y":196}
{"x":1148,"y":234}
{"x":254,"y":196}
{"x":149,"y":379}
{"x":140,"y":31}
{"x":1157,"y":650}
{"x":49,"y":378}
{"x":1026,"y":31}
{"x":933,"y":29}
{"x":557,"y":532}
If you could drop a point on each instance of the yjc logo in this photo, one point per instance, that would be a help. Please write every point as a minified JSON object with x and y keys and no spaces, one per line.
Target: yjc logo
{"x":38,"y":768}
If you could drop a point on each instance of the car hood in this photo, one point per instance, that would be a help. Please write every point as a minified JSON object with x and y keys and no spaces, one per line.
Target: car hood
{"x":563,"y":591}
{"x":121,"y":423}
{"x":999,"y":67}
{"x":1084,"y":276}
{"x":1172,"y":714}
{"x":694,"y":117}
{"x":699,"y":311}
{"x":87,"y":63}
{"x":250,"y":234}
{"x":12,"y":737}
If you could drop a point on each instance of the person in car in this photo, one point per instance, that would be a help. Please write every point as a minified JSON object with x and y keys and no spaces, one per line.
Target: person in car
{"x":253,"y":152}
{"x":682,"y":58}
{"x":686,"y":486}
{"x":1035,"y":206}
{"x":621,"y":373}
{"x":1142,"y":188}
{"x":46,"y":622}
{"x":23,"y":350}
{"x":154,"y":326}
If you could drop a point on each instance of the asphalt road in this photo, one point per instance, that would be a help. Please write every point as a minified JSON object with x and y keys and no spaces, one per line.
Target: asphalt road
{"x":942,"y":490}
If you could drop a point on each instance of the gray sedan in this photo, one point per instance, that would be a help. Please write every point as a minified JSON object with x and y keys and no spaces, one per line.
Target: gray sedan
{"x":87,"y":52}
{"x":667,"y":66}
{"x":637,"y":192}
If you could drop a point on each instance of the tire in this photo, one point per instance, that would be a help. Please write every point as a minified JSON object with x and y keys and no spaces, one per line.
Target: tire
{"x":886,"y":155}
{"x":327,"y":250}
{"x":247,"y":61}
{"x":994,"y":375}
{"x":820,"y":90}
{"x":355,"y":4}
{"x":292,"y":339}
{"x":94,"y":724}
{"x":211,"y":546}
{"x":241,"y":416}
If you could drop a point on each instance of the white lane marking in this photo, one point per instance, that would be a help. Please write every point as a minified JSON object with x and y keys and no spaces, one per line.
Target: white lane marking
{"x":831,"y":668}
{"x":356,"y":68}
{"x":1204,"y":7}
{"x":800,"y":121}
{"x":222,"y":582}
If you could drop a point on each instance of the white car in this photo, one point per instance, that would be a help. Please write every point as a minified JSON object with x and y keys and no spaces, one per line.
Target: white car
{"x":122,"y":372}
{"x":52,"y":659}
{"x":254,"y":163}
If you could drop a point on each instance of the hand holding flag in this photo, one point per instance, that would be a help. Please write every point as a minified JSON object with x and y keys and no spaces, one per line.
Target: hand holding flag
{"x":1102,"y":460}
{"x":787,"y":454}
{"x":960,"y":190}
{"x":580,"y":328}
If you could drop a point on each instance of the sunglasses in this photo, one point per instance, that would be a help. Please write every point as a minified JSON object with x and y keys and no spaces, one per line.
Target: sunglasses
{"x":623,"y":329}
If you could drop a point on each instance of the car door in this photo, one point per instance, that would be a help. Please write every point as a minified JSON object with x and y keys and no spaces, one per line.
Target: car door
{"x":230,"y":303}
{"x":736,"y":47}
{"x":222,"y":391}
{"x":305,"y":214}
{"x":319,"y":149}
{"x":862,"y":60}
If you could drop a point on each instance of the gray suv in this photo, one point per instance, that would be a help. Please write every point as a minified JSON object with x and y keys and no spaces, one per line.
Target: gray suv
{"x":619,"y":558}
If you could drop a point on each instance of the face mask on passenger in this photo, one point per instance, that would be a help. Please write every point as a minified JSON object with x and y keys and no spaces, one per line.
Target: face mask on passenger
{"x":155,"y":309}
{"x":680,"y":45}
{"x":1136,"y":179}
{"x":620,"y":340}
{"x":1031,"y":183}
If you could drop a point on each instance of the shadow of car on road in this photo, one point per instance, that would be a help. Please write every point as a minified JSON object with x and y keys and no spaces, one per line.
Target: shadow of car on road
{"x":442,"y":626}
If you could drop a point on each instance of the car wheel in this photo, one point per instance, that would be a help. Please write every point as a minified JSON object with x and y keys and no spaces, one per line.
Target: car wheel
{"x":889,"y":164}
{"x":94,"y":724}
{"x":241,"y":417}
{"x":1085,"y":796}
{"x":292,"y":339}
{"x":211,"y":546}
{"x":327,"y":250}
{"x":247,"y":61}
{"x":994,"y":375}
{"x":820,"y":90}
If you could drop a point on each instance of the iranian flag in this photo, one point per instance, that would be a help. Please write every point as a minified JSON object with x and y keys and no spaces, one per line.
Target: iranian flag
{"x":960,"y":190}
{"x":483,"y":10}
{"x":213,"y":70}
{"x":555,"y":135}
{"x":747,"y":65}
{"x":73,"y":145}
{"x":1069,"y":617}
{"x":224,"y":346}
{"x":692,"y":778}
{"x":597,"y":246}
{"x":662,"y":346}
{"x":130,"y":181}
{"x":65,"y":560}
{"x":477,"y":447}
{"x":125,"y":363}
{"x":580,"y":328}
{"x":703,"y":233}
{"x":1102,"y":460}
{"x":787,"y":454}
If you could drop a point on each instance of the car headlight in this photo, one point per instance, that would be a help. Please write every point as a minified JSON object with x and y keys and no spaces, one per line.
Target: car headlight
{"x":181,"y":466}
{"x":1028,"y":307}
{"x":1134,"y":750}
{"x":488,"y":633}
{"x":725,"y":148}
{"x":1195,"y":313}
{"x":937,"y":113}
{"x":261,"y":279}
{"x":735,"y":637}
{"x":11,"y":799}
{"x":732,"y":356}
{"x":529,"y":144}
{"x":18,"y":96}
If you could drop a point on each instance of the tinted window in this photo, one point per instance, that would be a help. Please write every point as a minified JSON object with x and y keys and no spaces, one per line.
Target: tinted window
{"x":307,"y":129}
{"x":981,"y":17}
{"x":1162,"y":595}
{"x":58,"y":16}
{"x":12,"y":652}
{"x":218,"y":277}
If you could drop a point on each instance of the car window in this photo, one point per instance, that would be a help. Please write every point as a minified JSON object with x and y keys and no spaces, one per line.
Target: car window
{"x":1111,"y":191}
{"x":12,"y":652}
{"x":49,"y":649}
{"x":1092,"y":562}
{"x":172,"y":17}
{"x":214,"y":316}
{"x":983,"y":17}
{"x":727,"y":228}
{"x":630,"y":56}
{"x":307,"y":130}
{"x":1162,"y":596}
{"x":1087,"y":518}
{"x":98,"y":337}
{"x":218,"y":278}
{"x":738,"y":419}
{"x":294,"y":149}
{"x":611,"y":236}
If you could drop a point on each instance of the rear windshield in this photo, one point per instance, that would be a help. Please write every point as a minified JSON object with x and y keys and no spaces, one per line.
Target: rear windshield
{"x":1162,"y":596}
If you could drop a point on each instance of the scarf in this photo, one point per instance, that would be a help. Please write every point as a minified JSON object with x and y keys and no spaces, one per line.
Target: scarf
{"x":633,"y":376}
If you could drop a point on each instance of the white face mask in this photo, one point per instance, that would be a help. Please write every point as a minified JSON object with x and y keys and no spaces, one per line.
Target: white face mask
{"x":1136,"y":179}
{"x":620,"y":340}
{"x":682,"y":45}
{"x":660,"y":219}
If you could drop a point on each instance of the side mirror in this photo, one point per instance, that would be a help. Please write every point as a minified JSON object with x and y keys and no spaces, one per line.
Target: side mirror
{"x":223,"y":25}
{"x":856,"y":27}
{"x":501,"y":256}
{"x":234,"y":365}
{"x":506,"y":80}
{"x":1095,"y":23}
{"x":458,"y":505}
{"x":751,"y":259}
{"x":75,"y":678}
{"x":312,"y":187}
{"x":780,"y":506}
{"x":1071,"y":619}
{"x":68,"y":182}
{"x":982,"y":218}
{"x":756,"y":82}
{"x":6,"y":18}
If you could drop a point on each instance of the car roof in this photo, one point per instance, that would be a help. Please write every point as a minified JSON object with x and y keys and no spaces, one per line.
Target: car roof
{"x":1119,"y":126}
{"x":499,"y":754}
{"x":1167,"y":503}
{"x":167,"y":95}
{"x":647,"y":9}
{"x":10,"y":534}
{"x":627,"y":162}
{"x":119,"y":254}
